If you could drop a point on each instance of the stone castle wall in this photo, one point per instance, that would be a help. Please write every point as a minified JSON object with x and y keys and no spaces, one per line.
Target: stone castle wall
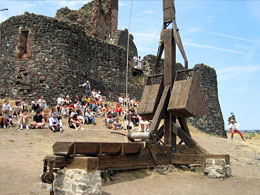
{"x":62,"y":57}
{"x":212,"y":122}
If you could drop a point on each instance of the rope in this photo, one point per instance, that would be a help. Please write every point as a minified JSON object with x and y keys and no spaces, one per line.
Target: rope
{"x":127,"y":60}
{"x":127,"y":51}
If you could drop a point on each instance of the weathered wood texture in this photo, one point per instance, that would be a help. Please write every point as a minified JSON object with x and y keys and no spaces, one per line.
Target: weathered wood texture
{"x":160,"y":110}
{"x":186,"y":100}
{"x":150,"y":100}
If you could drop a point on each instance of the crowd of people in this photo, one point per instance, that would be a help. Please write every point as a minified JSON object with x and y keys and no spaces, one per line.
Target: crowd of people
{"x":77,"y":111}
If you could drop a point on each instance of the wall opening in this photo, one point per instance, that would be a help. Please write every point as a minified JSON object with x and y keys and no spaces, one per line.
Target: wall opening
{"x":24,"y":43}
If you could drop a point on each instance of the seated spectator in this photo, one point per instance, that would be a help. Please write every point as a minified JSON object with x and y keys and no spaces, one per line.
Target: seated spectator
{"x":45,"y":114}
{"x":134,"y":118}
{"x":25,"y":105}
{"x":64,"y":111}
{"x":24,"y":119}
{"x":119,"y":110}
{"x":35,"y":105}
{"x":17,"y":107}
{"x":89,"y":117}
{"x":55,"y":124}
{"x":114,"y":113}
{"x":74,"y":122}
{"x":110,"y":122}
{"x":105,"y":110}
{"x":42,"y":103}
{"x":7,"y":109}
{"x":129,"y":124}
{"x":67,"y":100}
{"x":38,"y":120}
{"x":94,"y":93}
{"x":93,"y":105}
{"x":144,"y":125}
{"x":83,"y":102}
{"x":2,"y":118}
{"x":81,"y":116}
{"x":71,"y":108}
{"x":117,"y":124}
{"x":76,"y":102}
{"x":60,"y":103}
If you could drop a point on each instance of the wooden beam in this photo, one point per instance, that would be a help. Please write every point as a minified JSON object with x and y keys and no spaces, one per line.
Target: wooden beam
{"x":183,"y":124}
{"x":169,"y":57}
{"x":197,"y":158}
{"x":159,"y":111}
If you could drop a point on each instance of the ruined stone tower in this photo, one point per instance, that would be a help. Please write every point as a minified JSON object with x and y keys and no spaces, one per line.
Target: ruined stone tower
{"x":98,"y":17}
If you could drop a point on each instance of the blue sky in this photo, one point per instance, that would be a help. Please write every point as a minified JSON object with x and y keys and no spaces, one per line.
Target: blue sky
{"x":222,"y":34}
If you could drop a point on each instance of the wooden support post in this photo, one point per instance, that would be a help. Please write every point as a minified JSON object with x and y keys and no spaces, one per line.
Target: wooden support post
{"x":169,"y":57}
{"x":169,"y":76}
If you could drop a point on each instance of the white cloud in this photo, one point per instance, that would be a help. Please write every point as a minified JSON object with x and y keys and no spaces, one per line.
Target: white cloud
{"x":147,"y":12}
{"x":237,"y":72}
{"x":190,"y":43}
{"x":197,"y":29}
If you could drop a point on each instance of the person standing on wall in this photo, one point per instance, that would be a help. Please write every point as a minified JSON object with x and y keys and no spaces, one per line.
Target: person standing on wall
{"x":87,"y":87}
{"x":234,"y":128}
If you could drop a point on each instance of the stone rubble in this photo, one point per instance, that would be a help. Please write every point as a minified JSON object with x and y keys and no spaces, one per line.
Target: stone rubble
{"x":217,"y":168}
{"x":77,"y":182}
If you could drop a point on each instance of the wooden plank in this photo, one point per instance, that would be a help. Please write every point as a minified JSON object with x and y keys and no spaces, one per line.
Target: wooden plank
{"x":86,"y":163}
{"x":159,"y":111}
{"x":197,"y":158}
{"x":61,"y":148}
{"x":96,"y":148}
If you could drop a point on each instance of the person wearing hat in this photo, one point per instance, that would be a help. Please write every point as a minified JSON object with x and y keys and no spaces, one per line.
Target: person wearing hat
{"x":87,"y":87}
{"x":234,"y":128}
{"x":54,"y":123}
{"x":232,"y":117}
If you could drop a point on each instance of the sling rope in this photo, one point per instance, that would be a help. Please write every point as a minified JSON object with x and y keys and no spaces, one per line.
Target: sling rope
{"x":127,"y":68}
{"x":127,"y":50}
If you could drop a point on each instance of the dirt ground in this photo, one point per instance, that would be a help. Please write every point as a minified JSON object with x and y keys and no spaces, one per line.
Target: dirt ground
{"x":22,"y":152}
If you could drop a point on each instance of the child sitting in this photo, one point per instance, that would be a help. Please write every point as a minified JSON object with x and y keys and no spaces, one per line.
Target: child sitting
{"x":24,"y":119}
{"x":55,"y":124}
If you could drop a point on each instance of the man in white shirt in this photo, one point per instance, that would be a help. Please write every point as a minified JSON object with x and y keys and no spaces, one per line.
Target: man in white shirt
{"x":42,"y":102}
{"x":60,"y":102}
{"x":234,"y":128}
